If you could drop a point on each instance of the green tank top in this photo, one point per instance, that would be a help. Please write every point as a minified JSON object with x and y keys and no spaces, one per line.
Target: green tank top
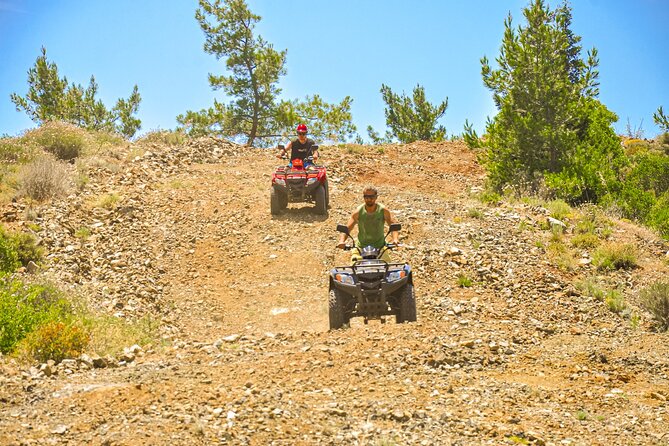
{"x":370,"y":227}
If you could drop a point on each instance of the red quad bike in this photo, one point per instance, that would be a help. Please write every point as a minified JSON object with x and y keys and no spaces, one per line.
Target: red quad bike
{"x":299,"y":184}
{"x":371,"y":287}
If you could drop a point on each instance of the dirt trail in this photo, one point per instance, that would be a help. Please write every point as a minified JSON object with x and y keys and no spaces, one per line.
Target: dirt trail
{"x":520,"y":357}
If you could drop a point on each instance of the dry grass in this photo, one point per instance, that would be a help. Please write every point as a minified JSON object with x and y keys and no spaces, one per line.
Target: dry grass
{"x":106,"y":201}
{"x":655,"y":299}
{"x":166,"y":137}
{"x":612,"y":256}
{"x":44,"y":178}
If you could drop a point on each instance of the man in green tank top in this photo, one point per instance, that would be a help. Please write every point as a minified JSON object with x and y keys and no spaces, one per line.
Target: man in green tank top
{"x":370,"y":218}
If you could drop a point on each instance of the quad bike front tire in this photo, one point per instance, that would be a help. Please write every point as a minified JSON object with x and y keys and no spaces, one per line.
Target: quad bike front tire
{"x":274,"y":202}
{"x":319,"y":198}
{"x":407,"y":305}
{"x":337,"y":309}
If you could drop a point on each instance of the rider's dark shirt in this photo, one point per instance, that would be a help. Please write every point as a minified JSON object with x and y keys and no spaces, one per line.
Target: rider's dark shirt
{"x":299,"y":150}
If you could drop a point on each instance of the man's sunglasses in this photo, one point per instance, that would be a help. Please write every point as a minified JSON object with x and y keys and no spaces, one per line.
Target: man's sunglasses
{"x":301,"y":133}
{"x":369,"y":196}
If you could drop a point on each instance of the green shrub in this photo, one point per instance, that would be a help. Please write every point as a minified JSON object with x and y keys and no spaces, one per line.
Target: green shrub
{"x":464,"y":281}
{"x":655,"y":299}
{"x":64,"y":141}
{"x":634,"y":202}
{"x":13,"y":151}
{"x":559,"y":209}
{"x":515,"y":439}
{"x":593,"y":158}
{"x":107,"y":201}
{"x":635,"y":320}
{"x":17,"y":249}
{"x":593,"y":222}
{"x":646,"y":183}
{"x":658,"y":216}
{"x":591,"y":287}
{"x":585,"y":240}
{"x":557,"y":233}
{"x":615,"y":256}
{"x":581,"y":415}
{"x":81,"y":180}
{"x":26,"y":248}
{"x":561,"y":254}
{"x":474,"y":213}
{"x":585,"y":226}
{"x":613,"y":298}
{"x":636,"y":147}
{"x":82,"y":233}
{"x":9,"y":258}
{"x":43,"y":178}
{"x":39,"y":321}
{"x":55,"y":341}
{"x":23,"y":308}
{"x":490,"y":197}
{"x":615,"y":301}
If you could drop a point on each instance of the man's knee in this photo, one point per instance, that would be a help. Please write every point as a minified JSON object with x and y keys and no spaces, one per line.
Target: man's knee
{"x":386,"y":256}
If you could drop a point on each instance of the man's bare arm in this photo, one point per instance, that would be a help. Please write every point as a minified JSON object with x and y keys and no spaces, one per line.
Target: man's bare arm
{"x":388,"y":216}
{"x":351,"y":224}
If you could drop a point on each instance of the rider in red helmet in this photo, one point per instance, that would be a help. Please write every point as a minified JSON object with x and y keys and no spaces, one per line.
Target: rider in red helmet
{"x":302,"y":147}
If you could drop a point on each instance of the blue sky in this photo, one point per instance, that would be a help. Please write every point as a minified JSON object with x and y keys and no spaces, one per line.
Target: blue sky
{"x":335,"y":49}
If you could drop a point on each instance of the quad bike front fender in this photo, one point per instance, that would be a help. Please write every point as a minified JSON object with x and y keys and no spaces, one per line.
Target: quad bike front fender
{"x":355,"y":290}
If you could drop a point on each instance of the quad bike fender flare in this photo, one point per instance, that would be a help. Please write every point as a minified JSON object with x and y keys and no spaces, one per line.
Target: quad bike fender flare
{"x":311,"y":188}
{"x":356,"y":291}
{"x":280,"y":188}
{"x":390,"y":288}
{"x":322,"y":176}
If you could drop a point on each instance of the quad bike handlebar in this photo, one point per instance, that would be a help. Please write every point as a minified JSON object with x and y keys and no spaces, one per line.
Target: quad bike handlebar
{"x":393,"y":227}
{"x":283,"y":155}
{"x":386,"y":246}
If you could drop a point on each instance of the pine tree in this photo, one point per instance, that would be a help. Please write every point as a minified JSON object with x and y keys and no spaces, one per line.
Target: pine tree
{"x":412,"y":119}
{"x":255,"y":113}
{"x":50,"y":98}
{"x":661,"y":120}
{"x":549,"y":123}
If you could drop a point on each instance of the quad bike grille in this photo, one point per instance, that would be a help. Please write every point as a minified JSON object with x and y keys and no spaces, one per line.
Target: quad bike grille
{"x":375,"y":285}
{"x":371,"y":280}
{"x":296,"y":181}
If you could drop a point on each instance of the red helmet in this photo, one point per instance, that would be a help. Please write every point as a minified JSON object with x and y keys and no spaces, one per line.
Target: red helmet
{"x":301,"y":128}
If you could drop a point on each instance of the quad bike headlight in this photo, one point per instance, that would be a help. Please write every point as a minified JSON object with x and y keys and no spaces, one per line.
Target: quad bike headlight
{"x":311,"y":180}
{"x":280,"y":181}
{"x":344,"y":278}
{"x":396,"y":275}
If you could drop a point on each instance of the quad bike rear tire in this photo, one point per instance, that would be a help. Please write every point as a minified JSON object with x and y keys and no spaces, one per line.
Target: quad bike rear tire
{"x":283,"y":199}
{"x":337,"y":309}
{"x":274,"y":202}
{"x":319,"y":198}
{"x":327,"y":194}
{"x":407,"y":305}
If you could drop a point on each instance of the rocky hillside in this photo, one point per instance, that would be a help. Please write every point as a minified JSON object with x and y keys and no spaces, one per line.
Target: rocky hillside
{"x":525,"y":355}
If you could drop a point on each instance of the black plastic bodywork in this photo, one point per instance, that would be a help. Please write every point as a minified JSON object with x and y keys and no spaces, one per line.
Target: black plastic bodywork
{"x":372,"y":296}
